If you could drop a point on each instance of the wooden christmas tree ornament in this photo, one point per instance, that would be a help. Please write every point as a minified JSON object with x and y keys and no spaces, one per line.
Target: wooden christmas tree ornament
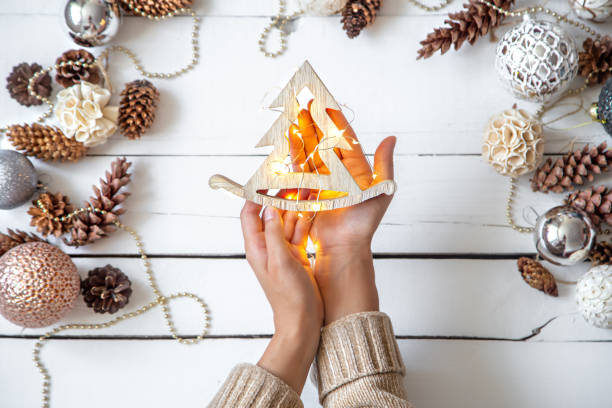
{"x":276,"y":172}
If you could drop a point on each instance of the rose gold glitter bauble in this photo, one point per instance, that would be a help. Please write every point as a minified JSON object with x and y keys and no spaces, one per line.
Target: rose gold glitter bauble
{"x":38,"y":284}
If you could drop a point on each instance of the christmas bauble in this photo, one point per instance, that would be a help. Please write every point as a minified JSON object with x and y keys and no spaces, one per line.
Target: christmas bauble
{"x":602,"y":111}
{"x":513,"y":142}
{"x":594,"y":296}
{"x":536,"y":60}
{"x":322,"y":7}
{"x":91,"y":23}
{"x":564,"y":235}
{"x":594,"y":10}
{"x":18,"y":179}
{"x":38,"y":284}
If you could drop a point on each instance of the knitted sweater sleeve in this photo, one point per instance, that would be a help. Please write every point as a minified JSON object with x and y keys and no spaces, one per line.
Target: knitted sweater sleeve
{"x":359,"y":364}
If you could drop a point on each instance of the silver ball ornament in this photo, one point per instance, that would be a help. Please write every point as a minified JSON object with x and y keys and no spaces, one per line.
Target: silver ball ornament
{"x":593,"y":10}
{"x":564,"y":235}
{"x":536,"y":60}
{"x":18,"y":179}
{"x":91,"y":23}
{"x":594,"y":296}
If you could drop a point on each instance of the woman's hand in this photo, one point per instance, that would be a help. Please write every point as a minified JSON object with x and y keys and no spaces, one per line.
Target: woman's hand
{"x":276,"y":250}
{"x":344,"y":270}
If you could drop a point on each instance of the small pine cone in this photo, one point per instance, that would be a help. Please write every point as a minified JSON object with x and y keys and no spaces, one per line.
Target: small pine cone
{"x":537,"y":276}
{"x":137,"y":108}
{"x":573,"y":169}
{"x":156,"y":8}
{"x":45,"y":142}
{"x":56,"y":206}
{"x":357,"y":14}
{"x":17,"y":84}
{"x":601,"y":254}
{"x":596,"y":58}
{"x":69,"y":75}
{"x":473,"y":22}
{"x":90,"y":226}
{"x":13,"y":238}
{"x":106,"y":289}
{"x":595,"y":201}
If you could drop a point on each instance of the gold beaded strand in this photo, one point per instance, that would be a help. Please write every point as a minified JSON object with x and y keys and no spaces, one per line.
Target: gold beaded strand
{"x":509,"y":203}
{"x":278,"y":22}
{"x":425,"y":7}
{"x":160,"y":300}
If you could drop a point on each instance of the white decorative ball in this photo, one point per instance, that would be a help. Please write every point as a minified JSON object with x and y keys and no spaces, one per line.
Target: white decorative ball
{"x":536,"y":60}
{"x":322,"y":7}
{"x":594,"y":296}
{"x":594,"y":10}
{"x":513,"y":142}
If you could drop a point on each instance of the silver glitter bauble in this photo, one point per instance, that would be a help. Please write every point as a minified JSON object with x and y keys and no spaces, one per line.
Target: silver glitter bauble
{"x":91,"y":23}
{"x":594,"y":10}
{"x":18,"y":179}
{"x":564,"y":235}
{"x":594,"y":296}
{"x":536,"y":60}
{"x":602,"y":110}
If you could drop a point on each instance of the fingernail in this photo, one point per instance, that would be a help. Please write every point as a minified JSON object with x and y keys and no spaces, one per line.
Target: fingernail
{"x":394,"y":140}
{"x":269,"y":213}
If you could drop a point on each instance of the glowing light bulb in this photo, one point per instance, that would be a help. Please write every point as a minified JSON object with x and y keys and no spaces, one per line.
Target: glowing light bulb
{"x":316,"y":207}
{"x":374,"y":175}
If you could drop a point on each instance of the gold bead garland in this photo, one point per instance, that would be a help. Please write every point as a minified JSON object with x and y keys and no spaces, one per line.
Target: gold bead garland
{"x":425,"y":7}
{"x":160,"y":300}
{"x":278,"y":22}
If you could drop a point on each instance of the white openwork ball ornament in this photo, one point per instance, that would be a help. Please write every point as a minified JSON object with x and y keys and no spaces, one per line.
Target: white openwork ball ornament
{"x":594,"y":296}
{"x":594,"y":10}
{"x":322,"y":7}
{"x":536,"y":60}
{"x":513,"y":142}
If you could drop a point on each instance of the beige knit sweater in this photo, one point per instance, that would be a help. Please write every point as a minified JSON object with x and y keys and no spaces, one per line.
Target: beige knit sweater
{"x":358,"y":365}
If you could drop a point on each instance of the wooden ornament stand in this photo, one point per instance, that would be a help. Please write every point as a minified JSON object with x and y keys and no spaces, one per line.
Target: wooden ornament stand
{"x":339,"y":179}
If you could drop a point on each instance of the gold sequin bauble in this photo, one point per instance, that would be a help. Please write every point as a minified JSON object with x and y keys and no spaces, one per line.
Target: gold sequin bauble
{"x":38,"y":284}
{"x":513,"y":142}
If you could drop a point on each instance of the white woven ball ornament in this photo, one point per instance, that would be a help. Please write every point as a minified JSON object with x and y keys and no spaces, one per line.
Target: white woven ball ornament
{"x":594,"y":296}
{"x":536,"y":60}
{"x":322,"y":7}
{"x":513,"y":142}
{"x":594,"y":10}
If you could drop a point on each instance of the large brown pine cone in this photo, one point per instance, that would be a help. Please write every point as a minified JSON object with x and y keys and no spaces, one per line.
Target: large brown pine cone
{"x":475,"y":21}
{"x":45,"y":142}
{"x":56,"y":206}
{"x":573,"y":169}
{"x":137,"y":108}
{"x":18,"y":80}
{"x":595,"y":201}
{"x":14,"y":238}
{"x":596,"y":55}
{"x":601,"y":254}
{"x":155,"y":7}
{"x":537,"y":276}
{"x":106,"y":289}
{"x":357,"y":14}
{"x":69,"y":75}
{"x":91,"y":226}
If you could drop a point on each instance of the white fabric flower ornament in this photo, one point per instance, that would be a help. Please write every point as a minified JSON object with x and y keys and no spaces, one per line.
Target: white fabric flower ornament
{"x":84,"y":114}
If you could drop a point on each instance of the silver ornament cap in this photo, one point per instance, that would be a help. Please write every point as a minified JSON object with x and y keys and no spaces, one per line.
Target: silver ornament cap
{"x":18,"y":179}
{"x":564,"y":235}
{"x":91,"y":23}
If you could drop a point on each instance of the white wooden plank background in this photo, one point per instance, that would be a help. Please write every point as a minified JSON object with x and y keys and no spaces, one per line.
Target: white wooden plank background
{"x":471,"y":332}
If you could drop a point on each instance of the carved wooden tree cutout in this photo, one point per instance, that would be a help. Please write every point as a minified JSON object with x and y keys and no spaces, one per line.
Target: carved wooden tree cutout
{"x":275,"y":172}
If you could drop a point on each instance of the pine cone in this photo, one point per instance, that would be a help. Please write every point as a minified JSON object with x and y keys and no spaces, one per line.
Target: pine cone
{"x":90,"y":226}
{"x":601,"y":254}
{"x":17,"y":84}
{"x":13,"y":238}
{"x":466,"y":25}
{"x":357,"y":14}
{"x":596,"y":55}
{"x":137,"y":108}
{"x":575,"y":168}
{"x":57,"y":205}
{"x":45,"y":142}
{"x":69,"y":75}
{"x":106,"y":289}
{"x":156,"y":7}
{"x":537,"y":276}
{"x":595,"y":201}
